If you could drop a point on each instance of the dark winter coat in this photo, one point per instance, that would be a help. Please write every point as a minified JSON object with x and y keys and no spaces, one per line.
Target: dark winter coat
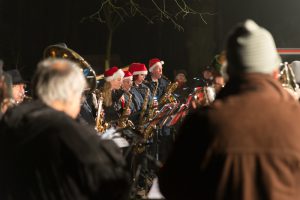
{"x":245,"y":147}
{"x":162,"y":86}
{"x":46,"y":155}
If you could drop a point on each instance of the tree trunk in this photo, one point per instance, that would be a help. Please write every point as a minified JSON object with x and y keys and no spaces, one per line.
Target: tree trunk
{"x":108,"y":50}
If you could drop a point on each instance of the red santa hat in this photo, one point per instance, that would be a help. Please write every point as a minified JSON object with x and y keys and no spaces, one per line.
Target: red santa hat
{"x":128,"y":75}
{"x":113,"y":73}
{"x":154,"y":62}
{"x":138,"y":68}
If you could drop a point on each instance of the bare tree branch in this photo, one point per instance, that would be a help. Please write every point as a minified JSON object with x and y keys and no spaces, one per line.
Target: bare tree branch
{"x":161,"y":10}
{"x":114,"y":12}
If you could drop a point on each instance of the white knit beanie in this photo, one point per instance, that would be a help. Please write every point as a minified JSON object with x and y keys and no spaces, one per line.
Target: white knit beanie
{"x":251,"y":49}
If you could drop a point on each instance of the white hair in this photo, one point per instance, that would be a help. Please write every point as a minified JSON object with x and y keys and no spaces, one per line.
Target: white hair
{"x":58,"y":80}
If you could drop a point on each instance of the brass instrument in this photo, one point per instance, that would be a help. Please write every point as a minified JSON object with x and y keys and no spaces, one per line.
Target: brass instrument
{"x":288,"y":80}
{"x":100,"y":125}
{"x":152,"y":109}
{"x":168,"y":94}
{"x":140,"y":147}
{"x":148,"y":131}
{"x":144,"y":108}
{"x":287,"y":77}
{"x":62,"y":51}
{"x":124,"y":121}
{"x":167,"y":97}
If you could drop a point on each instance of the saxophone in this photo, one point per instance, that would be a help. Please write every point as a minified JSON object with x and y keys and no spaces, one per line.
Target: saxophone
{"x":148,"y":131}
{"x":144,"y":108}
{"x":100,"y":125}
{"x":152,"y":109}
{"x":140,"y":147}
{"x":168,"y":94}
{"x":124,"y":121}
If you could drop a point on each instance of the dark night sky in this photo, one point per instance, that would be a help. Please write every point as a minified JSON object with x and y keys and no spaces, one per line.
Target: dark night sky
{"x":28,"y":26}
{"x":281,"y":18}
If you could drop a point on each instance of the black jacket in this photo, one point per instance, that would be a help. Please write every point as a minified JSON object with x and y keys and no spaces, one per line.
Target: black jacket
{"x":45,"y":154}
{"x":162,"y":86}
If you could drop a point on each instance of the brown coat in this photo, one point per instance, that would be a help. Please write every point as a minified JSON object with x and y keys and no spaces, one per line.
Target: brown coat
{"x":246,"y":147}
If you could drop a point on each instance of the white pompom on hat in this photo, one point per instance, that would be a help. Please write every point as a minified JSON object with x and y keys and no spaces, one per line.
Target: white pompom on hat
{"x":251,"y":49}
{"x":155,"y":62}
{"x":113,"y":73}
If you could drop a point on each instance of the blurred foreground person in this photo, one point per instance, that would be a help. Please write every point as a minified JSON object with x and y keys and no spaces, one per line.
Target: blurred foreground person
{"x":46,"y":154}
{"x":247,"y":143}
{"x":6,"y":100}
{"x":18,"y":87}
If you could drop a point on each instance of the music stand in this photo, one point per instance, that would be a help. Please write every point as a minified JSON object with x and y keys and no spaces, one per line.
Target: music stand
{"x":175,"y":118}
{"x":166,"y":112}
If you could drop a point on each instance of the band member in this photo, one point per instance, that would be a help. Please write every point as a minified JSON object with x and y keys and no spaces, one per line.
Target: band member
{"x":182,"y":91}
{"x":158,"y":84}
{"x":6,"y":100}
{"x":18,"y":88}
{"x":218,"y":82}
{"x":136,"y":98}
{"x":113,"y":97}
{"x":139,"y":72}
{"x":46,"y":154}
{"x":156,"y":77}
{"x":206,"y":77}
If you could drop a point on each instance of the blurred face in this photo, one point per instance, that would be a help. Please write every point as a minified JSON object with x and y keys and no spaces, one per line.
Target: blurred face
{"x":207,"y":74}
{"x":18,"y":92}
{"x":116,"y":83}
{"x":157,"y":72}
{"x":139,"y":78}
{"x":219,"y":83}
{"x":127,"y":83}
{"x":180,"y":78}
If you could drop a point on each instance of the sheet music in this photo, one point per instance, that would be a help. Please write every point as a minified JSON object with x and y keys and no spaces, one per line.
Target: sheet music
{"x":154,"y":192}
{"x":111,"y":134}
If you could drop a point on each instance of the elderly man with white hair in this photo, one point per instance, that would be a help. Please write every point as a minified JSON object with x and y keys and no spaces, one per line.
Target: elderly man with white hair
{"x":46,"y":154}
